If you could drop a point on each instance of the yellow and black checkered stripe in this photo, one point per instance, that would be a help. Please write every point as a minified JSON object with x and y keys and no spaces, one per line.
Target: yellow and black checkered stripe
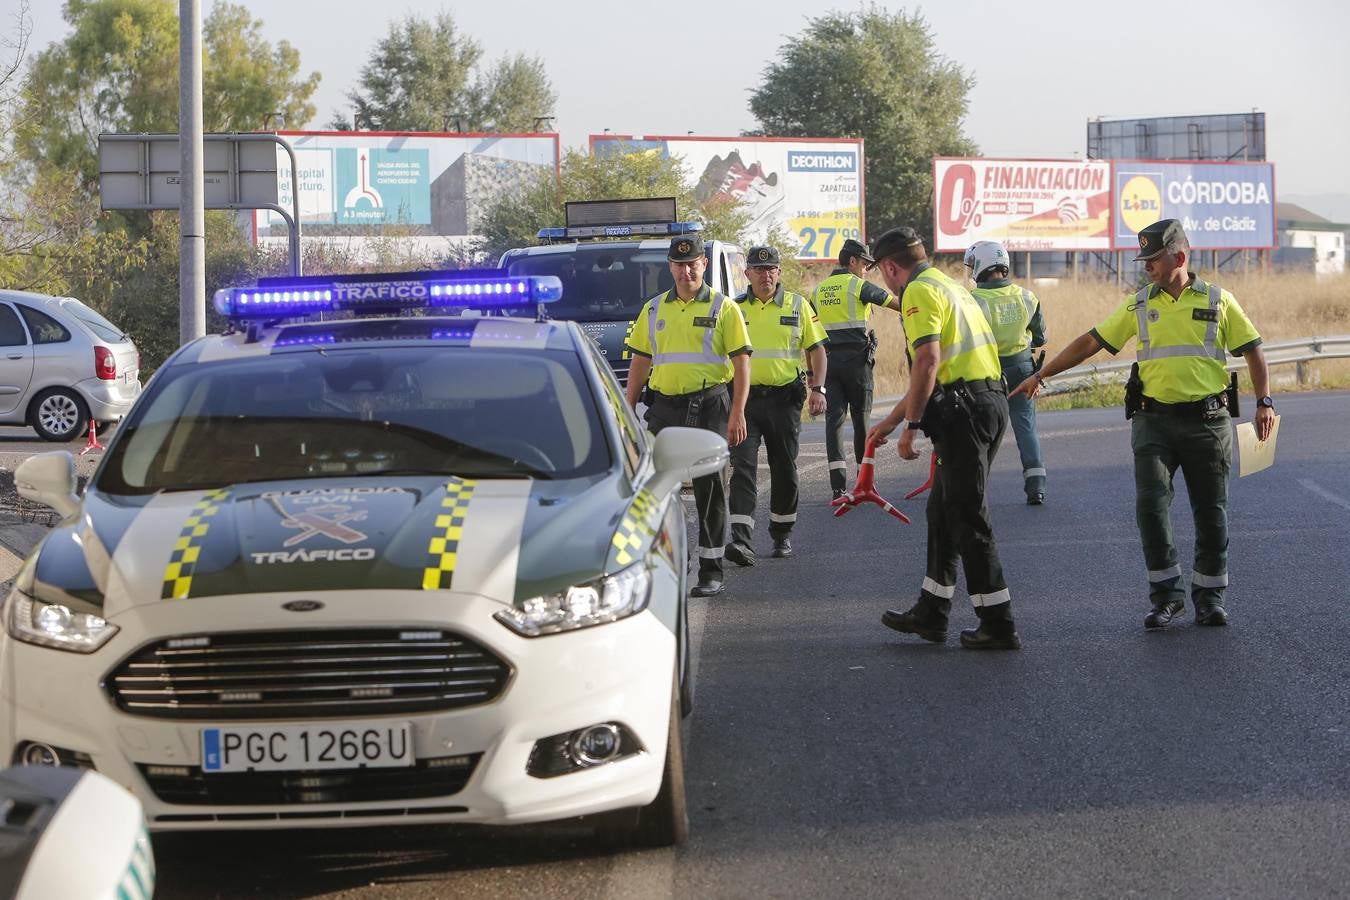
{"x":637,"y":527}
{"x":627,"y":336}
{"x":183,"y":560}
{"x":450,"y":524}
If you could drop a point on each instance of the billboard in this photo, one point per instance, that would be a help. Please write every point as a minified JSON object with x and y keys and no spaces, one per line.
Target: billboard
{"x":1222,"y":206}
{"x":1027,"y":204}
{"x":1233,"y":136}
{"x":813,"y":187}
{"x":432,"y":184}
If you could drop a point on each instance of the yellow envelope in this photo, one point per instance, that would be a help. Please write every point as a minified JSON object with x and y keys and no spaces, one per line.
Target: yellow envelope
{"x":1254,"y":455}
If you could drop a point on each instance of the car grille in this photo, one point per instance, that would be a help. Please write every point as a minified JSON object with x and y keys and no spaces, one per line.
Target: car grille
{"x":306,"y":675}
{"x":189,"y":786}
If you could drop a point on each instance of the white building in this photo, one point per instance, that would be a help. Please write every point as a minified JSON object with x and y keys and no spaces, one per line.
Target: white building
{"x":1308,"y":242}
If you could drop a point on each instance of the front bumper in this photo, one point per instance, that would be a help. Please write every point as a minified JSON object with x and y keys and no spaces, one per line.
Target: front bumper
{"x":620,"y":672}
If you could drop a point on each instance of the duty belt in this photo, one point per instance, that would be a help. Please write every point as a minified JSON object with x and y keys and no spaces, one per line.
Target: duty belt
{"x":715,"y":391}
{"x":1205,"y":406}
{"x":978,"y":385}
{"x":772,"y":390}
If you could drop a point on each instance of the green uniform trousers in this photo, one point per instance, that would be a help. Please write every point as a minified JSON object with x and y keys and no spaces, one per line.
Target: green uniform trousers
{"x":1202,"y":447}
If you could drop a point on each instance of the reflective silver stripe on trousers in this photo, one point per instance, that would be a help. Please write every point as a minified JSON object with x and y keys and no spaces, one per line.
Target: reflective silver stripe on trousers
{"x":967,"y":339}
{"x":711,"y":552}
{"x":1164,"y":574}
{"x":1209,"y":581}
{"x":1034,"y":472}
{"x":839,"y":464}
{"x":784,"y":517}
{"x":946,"y":591}
{"x":742,"y":520}
{"x":993,"y":599}
{"x":1208,"y":350}
{"x":707,"y":356}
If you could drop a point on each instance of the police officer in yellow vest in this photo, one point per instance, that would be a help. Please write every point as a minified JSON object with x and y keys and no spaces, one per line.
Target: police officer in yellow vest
{"x":782,"y":326}
{"x":1015,"y":315}
{"x":691,"y":343}
{"x":844,"y":303}
{"x":956,"y":395}
{"x":1184,"y":328}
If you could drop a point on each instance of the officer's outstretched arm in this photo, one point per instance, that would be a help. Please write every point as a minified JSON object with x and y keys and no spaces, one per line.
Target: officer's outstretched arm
{"x":637,"y":378}
{"x":1083,"y":347}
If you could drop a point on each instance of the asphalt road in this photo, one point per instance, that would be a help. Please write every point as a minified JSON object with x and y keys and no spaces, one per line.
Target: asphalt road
{"x":829,"y":756}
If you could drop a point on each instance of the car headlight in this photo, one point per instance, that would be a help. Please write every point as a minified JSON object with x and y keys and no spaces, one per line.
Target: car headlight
{"x":607,"y":599}
{"x":57,"y":626}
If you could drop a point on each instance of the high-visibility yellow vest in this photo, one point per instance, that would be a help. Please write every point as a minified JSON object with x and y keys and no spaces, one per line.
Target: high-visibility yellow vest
{"x":934,"y":304}
{"x":690,"y":343}
{"x":780,"y":329}
{"x":1009,"y":310}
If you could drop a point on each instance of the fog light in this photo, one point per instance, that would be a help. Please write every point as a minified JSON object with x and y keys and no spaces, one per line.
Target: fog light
{"x":36,"y":754}
{"x":595,"y":745}
{"x":575,"y":751}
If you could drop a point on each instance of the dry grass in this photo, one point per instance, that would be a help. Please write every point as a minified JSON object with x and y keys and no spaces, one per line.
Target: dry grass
{"x":1282,"y":307}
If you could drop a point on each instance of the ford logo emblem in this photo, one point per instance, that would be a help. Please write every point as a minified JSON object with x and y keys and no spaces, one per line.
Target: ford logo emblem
{"x":302,"y":605}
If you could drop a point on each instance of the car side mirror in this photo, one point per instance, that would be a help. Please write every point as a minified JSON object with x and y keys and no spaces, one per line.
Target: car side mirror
{"x":49,"y":479}
{"x":682,"y":454}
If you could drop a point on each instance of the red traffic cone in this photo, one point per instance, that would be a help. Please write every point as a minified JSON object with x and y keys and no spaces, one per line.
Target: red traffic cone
{"x":863,"y":491}
{"x":932,"y":473}
{"x":93,"y":442}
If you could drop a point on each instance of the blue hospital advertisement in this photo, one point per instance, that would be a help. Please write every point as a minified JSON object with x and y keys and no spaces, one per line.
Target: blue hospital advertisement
{"x":1222,"y":206}
{"x":382,"y":186}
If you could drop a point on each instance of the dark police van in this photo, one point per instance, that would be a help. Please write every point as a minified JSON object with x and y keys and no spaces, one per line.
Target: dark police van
{"x":611,"y":258}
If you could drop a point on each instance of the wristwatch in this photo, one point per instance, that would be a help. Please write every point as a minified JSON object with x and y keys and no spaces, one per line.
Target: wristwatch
{"x":819,"y":388}
{"x":1265,"y":402}
{"x":913,"y":426}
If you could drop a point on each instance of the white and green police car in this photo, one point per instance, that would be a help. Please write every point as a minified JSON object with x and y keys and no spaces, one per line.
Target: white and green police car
{"x":351,"y":571}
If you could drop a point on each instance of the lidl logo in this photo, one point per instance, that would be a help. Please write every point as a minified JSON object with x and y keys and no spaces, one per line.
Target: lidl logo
{"x":1140,"y":202}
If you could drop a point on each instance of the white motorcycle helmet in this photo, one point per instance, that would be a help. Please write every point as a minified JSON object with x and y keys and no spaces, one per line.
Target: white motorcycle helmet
{"x":984,"y":255}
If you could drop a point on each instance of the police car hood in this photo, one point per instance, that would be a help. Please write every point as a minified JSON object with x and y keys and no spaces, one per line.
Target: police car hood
{"x":422,"y":533}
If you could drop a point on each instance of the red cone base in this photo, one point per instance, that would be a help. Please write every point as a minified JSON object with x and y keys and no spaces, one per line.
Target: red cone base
{"x":93,"y":442}
{"x":864,"y":492}
{"x":932,"y":473}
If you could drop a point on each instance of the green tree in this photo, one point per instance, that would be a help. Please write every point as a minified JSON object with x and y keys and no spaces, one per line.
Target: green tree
{"x":877,"y":75}
{"x":516,"y":217}
{"x":425,"y":75}
{"x":117,"y":71}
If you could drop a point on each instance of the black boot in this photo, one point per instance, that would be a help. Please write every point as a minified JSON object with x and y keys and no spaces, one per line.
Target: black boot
{"x":782,"y":547}
{"x":996,"y":631}
{"x":1210,"y":614}
{"x":1165,"y":611}
{"x":740,"y":554}
{"x":919,"y":620}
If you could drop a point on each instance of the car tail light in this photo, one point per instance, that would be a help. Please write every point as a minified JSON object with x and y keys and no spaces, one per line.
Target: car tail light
{"x":105,"y":366}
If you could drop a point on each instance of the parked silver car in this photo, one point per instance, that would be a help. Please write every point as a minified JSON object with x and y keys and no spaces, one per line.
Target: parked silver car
{"x":62,"y":364}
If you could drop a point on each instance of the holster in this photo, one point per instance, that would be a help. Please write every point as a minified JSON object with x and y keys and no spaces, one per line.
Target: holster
{"x":799,"y":389}
{"x":1232,"y":394}
{"x":1134,"y":392}
{"x":871,"y":348}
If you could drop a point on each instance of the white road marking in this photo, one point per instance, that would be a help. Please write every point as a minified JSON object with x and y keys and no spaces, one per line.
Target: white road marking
{"x":1324,"y":493}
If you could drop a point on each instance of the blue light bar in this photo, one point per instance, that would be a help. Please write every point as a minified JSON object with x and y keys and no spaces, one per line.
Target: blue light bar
{"x":649,"y":229}
{"x":279,"y":298}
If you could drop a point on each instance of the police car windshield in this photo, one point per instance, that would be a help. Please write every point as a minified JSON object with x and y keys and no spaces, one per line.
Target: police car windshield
{"x":363,"y":411}
{"x":604,"y":282}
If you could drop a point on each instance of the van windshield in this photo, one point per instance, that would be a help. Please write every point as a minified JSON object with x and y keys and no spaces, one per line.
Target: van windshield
{"x":601,"y":282}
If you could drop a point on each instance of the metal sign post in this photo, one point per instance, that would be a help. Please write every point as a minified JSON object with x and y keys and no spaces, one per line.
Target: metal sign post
{"x":142,"y":171}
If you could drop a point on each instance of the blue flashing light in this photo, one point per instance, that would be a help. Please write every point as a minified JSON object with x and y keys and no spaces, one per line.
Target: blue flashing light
{"x":647,"y":229}
{"x":277,"y":298}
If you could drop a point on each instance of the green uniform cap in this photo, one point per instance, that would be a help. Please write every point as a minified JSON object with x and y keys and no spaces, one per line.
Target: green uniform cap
{"x":685,"y":248}
{"x":762,"y":258}
{"x":1156,"y":237}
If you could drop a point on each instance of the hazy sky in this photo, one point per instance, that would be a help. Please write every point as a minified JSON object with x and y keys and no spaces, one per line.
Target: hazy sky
{"x":1042,"y":67}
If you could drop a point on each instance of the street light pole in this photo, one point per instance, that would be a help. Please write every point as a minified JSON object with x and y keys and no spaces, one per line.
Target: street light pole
{"x":192,"y":212}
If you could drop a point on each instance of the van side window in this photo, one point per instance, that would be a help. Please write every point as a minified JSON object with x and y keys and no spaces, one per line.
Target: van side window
{"x":11,"y":332}
{"x":44,"y":328}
